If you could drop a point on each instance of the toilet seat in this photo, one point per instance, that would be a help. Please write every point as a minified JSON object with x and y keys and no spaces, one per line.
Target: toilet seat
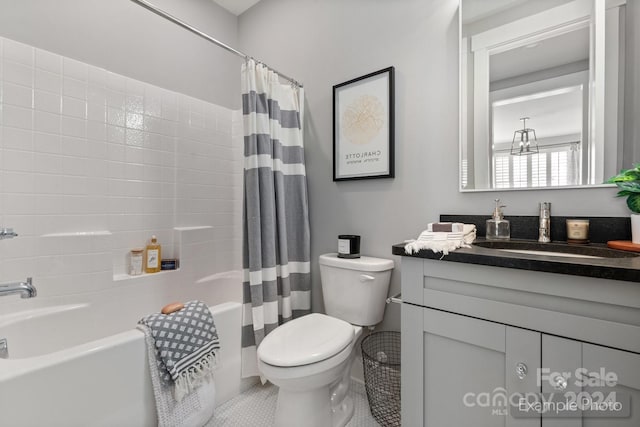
{"x":306,"y":340}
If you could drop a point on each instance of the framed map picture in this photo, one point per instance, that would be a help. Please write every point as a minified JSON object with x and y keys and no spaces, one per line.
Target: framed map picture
{"x":363,"y":114}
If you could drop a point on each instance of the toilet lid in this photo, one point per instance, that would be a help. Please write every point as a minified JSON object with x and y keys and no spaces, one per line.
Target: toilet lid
{"x":305,"y":340}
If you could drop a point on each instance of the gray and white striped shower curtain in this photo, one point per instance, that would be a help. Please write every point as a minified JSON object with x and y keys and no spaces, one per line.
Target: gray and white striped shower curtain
{"x":276,"y":239}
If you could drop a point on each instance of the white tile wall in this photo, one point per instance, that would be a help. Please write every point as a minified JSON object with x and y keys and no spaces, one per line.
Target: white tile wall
{"x":83,"y":149}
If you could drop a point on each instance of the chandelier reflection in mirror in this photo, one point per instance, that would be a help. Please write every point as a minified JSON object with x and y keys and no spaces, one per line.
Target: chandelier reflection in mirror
{"x":524,"y":138}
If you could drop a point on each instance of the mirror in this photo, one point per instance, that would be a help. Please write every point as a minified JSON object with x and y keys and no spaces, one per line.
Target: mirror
{"x":541,"y":84}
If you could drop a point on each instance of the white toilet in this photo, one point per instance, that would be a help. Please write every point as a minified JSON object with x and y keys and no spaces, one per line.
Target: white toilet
{"x":309,"y":358}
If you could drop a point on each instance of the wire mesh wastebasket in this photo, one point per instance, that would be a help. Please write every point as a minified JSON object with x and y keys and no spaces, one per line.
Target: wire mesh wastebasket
{"x":381,"y":362}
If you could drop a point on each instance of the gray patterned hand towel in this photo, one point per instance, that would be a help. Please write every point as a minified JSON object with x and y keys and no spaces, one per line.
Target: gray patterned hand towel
{"x":186,"y":344}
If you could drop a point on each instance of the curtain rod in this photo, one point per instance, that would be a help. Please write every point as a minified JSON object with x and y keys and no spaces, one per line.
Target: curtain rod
{"x":207,"y":37}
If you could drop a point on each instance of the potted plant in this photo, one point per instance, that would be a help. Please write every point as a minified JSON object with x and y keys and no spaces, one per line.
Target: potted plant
{"x":628,"y":182}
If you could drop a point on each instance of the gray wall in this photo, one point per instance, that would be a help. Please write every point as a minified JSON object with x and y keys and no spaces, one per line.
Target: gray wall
{"x":323,"y":43}
{"x":632,"y":76}
{"x":127,"y":39}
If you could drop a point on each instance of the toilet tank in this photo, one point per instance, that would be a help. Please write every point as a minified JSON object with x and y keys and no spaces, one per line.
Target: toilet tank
{"x":355,"y":290}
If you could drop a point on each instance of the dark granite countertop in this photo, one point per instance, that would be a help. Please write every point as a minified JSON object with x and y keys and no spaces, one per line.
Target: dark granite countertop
{"x":625,"y":267}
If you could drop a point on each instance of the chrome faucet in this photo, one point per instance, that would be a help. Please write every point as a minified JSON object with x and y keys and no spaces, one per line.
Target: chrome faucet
{"x":25,"y":289}
{"x":544,"y":228}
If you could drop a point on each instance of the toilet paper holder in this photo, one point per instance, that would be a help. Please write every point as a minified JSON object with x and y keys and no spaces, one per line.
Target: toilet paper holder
{"x":396,"y":299}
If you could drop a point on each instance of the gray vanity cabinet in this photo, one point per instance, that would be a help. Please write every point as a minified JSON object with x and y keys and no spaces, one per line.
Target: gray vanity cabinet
{"x":560,"y":356}
{"x":461,"y":370}
{"x":626,"y":366}
{"x":473,"y":336}
{"x":589,"y":365}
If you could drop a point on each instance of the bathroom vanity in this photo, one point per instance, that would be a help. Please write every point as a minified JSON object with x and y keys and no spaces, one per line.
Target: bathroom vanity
{"x":483,"y":325}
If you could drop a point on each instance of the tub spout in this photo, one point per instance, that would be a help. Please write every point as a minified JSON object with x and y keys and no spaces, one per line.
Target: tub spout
{"x":25,"y":289}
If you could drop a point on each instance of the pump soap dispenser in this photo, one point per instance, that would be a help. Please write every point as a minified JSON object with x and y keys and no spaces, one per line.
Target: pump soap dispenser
{"x":497,"y":227}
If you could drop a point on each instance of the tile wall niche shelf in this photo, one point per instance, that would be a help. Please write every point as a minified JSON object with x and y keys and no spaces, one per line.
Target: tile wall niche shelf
{"x":123,"y":276}
{"x":184,"y":241}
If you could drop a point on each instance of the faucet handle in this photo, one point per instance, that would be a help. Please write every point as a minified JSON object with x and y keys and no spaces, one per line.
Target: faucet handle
{"x":7,"y":233}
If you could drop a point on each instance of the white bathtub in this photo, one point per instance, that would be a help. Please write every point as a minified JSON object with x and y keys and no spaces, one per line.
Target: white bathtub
{"x":67,"y":367}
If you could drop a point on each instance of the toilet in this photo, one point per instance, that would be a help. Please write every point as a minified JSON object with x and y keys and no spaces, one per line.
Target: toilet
{"x":309,"y":358}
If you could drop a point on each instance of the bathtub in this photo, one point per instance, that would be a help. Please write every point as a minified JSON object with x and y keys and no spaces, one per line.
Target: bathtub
{"x":66,"y":368}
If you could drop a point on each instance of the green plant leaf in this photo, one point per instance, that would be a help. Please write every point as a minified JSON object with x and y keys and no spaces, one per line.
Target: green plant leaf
{"x":630,"y":186}
{"x":621,"y":177}
{"x":626,"y":175}
{"x":624,"y":193}
{"x":633,"y":202}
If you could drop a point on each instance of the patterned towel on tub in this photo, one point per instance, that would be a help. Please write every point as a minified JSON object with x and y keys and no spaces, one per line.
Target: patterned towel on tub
{"x":186,"y":346}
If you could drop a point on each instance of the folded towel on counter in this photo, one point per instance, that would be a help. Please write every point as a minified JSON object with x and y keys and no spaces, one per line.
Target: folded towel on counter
{"x":444,"y":242}
{"x":183,"y":352}
{"x":430,"y":235}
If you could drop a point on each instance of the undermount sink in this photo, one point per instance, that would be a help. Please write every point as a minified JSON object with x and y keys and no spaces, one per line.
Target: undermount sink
{"x":553,"y":249}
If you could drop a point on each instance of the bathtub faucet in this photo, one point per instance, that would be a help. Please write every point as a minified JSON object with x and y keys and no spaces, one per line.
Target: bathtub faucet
{"x":25,"y":289}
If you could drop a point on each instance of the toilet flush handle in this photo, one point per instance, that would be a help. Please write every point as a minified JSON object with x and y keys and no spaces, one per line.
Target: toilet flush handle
{"x":366,"y":278}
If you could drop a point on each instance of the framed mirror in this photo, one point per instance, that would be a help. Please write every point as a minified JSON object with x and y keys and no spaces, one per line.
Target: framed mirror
{"x":542,"y":88}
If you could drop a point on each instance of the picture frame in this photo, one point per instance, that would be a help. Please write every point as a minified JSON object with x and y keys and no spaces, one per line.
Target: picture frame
{"x":363,"y":127}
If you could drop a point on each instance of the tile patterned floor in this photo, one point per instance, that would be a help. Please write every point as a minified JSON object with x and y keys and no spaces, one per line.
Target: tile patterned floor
{"x":256,"y":408}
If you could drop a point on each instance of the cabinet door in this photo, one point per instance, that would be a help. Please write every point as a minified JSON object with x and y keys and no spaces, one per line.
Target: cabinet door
{"x":591,"y":373}
{"x":469,"y":370}
{"x":561,"y":358}
{"x":522,"y":358}
{"x":601,"y":363}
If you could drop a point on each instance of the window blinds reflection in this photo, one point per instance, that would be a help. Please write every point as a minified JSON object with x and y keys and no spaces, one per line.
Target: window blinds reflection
{"x":556,"y":166}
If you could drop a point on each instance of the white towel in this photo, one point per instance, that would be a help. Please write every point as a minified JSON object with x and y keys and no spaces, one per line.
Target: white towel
{"x":435,"y":235}
{"x":442,"y":241}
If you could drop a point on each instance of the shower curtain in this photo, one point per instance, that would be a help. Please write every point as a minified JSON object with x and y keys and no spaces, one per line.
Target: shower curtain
{"x":276,"y":238}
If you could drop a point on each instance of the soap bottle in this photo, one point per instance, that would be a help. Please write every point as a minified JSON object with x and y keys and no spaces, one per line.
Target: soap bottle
{"x":497,"y":227}
{"x":152,"y":256}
